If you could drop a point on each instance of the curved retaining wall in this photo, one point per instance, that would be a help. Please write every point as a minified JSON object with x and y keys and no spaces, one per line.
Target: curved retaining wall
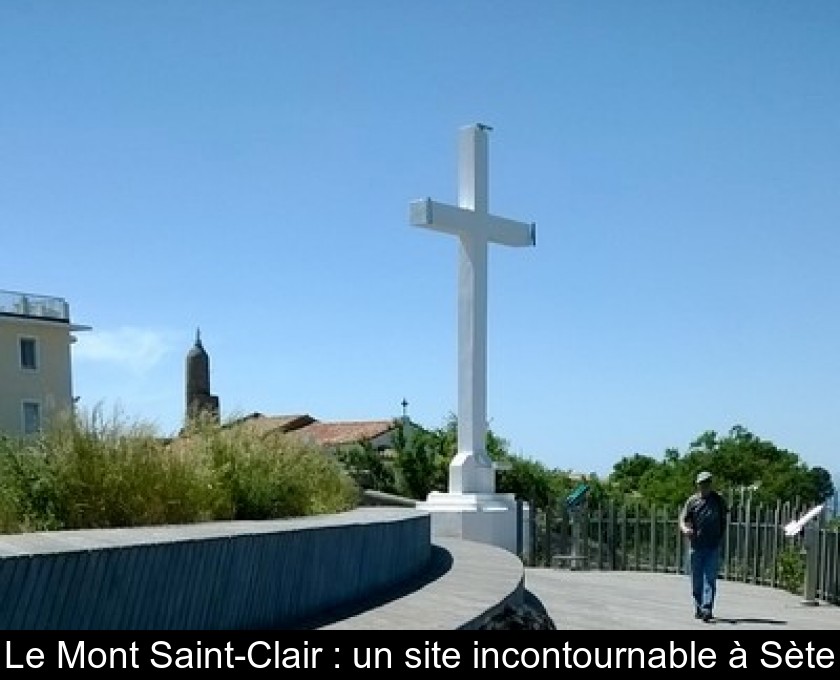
{"x":220,"y":575}
{"x":474,"y":582}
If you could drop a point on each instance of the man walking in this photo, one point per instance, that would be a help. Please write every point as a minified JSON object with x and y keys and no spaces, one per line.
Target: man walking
{"x":703,"y":520}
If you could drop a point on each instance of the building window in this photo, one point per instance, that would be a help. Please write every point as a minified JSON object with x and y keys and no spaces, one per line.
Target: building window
{"x":28,"y":353}
{"x":31,"y":417}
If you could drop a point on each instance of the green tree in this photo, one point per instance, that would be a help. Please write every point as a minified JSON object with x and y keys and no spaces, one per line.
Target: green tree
{"x":531,"y":481}
{"x":368,"y":468}
{"x":628,"y":472}
{"x":822,"y":486}
{"x":419,"y":463}
{"x":740,"y":460}
{"x":423,"y":459}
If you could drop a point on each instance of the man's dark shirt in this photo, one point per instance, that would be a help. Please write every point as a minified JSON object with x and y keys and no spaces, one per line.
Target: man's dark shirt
{"x":707,"y":516}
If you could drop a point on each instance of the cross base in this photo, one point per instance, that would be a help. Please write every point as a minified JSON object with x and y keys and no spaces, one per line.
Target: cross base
{"x":485,"y":518}
{"x":472,"y":473}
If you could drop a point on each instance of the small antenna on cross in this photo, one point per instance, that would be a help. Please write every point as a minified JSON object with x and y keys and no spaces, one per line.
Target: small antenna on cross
{"x":404,"y":404}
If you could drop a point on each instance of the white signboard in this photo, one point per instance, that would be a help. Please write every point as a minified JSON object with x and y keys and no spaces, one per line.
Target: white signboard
{"x":796,"y":526}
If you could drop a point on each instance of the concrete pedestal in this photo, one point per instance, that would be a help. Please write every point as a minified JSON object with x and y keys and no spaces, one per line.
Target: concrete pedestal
{"x":484,"y":518}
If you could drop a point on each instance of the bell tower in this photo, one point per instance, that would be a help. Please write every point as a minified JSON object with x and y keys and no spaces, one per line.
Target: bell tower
{"x":198,"y":398}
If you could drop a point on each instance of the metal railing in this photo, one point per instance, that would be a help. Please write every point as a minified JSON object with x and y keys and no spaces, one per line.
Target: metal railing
{"x":640,"y":537}
{"x":36,"y":306}
{"x":371,"y":497}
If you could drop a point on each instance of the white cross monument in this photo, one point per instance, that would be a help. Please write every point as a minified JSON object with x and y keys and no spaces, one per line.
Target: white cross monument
{"x":471,"y":509}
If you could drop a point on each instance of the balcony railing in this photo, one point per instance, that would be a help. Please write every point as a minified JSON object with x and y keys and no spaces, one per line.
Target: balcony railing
{"x":35,"y":306}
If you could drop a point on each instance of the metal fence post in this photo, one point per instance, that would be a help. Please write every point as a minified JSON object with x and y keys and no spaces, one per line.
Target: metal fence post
{"x":624,"y":550}
{"x":637,"y":537}
{"x":532,"y":533}
{"x":575,"y":520}
{"x":810,"y":548}
{"x":549,"y":552}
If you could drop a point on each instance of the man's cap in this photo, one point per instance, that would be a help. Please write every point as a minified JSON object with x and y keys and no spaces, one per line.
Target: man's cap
{"x":703,"y":477}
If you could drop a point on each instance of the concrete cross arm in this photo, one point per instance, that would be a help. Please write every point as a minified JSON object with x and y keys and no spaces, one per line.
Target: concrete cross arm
{"x":461,"y":221}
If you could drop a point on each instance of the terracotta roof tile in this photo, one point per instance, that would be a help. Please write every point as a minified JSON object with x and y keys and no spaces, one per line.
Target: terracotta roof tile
{"x":349,"y":432}
{"x":313,"y":431}
{"x":263,"y":424}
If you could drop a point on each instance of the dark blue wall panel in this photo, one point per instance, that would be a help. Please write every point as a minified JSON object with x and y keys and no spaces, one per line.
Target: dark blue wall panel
{"x":200,"y":577}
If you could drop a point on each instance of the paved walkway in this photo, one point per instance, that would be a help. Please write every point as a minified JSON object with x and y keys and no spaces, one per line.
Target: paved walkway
{"x":468,"y":581}
{"x":613,"y":600}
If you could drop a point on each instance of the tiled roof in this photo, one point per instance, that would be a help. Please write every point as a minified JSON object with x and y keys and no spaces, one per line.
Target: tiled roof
{"x":334,"y":434}
{"x":263,"y":424}
{"x":308,"y":429}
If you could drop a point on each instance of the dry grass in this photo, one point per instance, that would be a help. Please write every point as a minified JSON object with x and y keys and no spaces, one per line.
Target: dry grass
{"x":89,"y":472}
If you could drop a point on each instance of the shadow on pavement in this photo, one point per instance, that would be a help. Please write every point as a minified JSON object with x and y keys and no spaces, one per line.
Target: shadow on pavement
{"x":735,"y":622}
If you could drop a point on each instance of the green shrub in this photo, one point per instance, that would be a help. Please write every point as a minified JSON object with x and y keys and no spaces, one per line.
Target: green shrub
{"x":271,"y":476}
{"x":88,"y":472}
{"x":790,"y":570}
{"x":27,"y":488}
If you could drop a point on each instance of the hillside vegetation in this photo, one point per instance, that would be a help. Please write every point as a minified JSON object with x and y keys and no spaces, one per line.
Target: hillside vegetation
{"x":89,"y":472}
{"x":743,"y":464}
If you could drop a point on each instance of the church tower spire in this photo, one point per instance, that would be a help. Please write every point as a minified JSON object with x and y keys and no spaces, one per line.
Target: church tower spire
{"x":198,"y":398}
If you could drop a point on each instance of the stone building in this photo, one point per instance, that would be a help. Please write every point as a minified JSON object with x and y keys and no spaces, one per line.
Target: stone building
{"x":36,"y":382}
{"x":199,"y":401}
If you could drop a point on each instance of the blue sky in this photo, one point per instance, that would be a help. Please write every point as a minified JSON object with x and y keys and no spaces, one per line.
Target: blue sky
{"x":246,"y":167}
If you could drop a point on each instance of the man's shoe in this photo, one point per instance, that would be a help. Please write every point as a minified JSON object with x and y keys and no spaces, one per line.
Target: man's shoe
{"x":698,"y":614}
{"x":706,"y":616}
